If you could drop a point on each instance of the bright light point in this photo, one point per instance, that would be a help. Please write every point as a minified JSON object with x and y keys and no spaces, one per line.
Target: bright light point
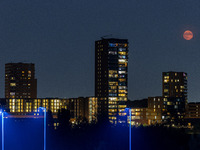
{"x":188,"y":35}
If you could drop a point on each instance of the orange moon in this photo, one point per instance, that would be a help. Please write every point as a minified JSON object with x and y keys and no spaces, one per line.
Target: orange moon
{"x":188,"y":35}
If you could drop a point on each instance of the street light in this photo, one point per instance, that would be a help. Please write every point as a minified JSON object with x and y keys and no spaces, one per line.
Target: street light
{"x":129,"y":110}
{"x":45,"y":120}
{"x":2,"y":129}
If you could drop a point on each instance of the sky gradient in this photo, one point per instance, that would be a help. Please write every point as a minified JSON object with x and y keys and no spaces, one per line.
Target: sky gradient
{"x":59,"y":35}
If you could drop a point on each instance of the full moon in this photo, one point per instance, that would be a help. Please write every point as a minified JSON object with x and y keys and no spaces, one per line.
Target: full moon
{"x":188,"y":35}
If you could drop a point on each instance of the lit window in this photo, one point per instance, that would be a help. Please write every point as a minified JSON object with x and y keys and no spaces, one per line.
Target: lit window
{"x":12,"y":84}
{"x":122,"y":60}
{"x":122,"y":72}
{"x":166,"y":90}
{"x":12,"y":93}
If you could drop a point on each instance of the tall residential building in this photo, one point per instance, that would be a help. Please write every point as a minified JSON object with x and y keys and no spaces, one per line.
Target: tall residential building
{"x":111,"y":76}
{"x":174,"y":96}
{"x":20,"y":81}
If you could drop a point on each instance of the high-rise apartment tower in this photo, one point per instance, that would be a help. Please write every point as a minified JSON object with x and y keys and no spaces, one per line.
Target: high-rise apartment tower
{"x":174,"y":96}
{"x":111,"y":76}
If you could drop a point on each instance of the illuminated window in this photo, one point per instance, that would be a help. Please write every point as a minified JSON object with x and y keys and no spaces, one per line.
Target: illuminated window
{"x":122,"y":60}
{"x":122,"y":91}
{"x":113,"y":83}
{"x":122,"y":72}
{"x":166,"y":81}
{"x":113,"y":74}
{"x":12,"y":93}
{"x":122,"y":53}
{"x":112,"y":52}
{"x":122,"y":95}
{"x":122,"y":80}
{"x":12,"y":84}
{"x":12,"y":78}
{"x":166,"y":77}
{"x":169,"y":103}
{"x":166,"y":90}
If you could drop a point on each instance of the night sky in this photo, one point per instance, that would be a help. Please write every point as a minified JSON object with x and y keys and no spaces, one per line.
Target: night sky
{"x":59,"y":35}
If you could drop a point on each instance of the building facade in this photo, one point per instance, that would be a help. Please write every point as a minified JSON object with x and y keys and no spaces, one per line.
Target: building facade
{"x":174,"y":84}
{"x":20,"y":81}
{"x":193,"y":110}
{"x":83,"y":108}
{"x":155,"y":109}
{"x":138,"y":112}
{"x":146,"y":111}
{"x":138,"y":117}
{"x":80,"y":108}
{"x":111,"y":76}
{"x":174,"y":96}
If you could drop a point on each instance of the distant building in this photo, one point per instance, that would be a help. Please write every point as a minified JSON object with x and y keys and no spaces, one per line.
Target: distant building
{"x":174,"y":84}
{"x":193,"y":110}
{"x":155,"y":108}
{"x":20,"y":81}
{"x":111,"y":76}
{"x":138,"y":112}
{"x":146,"y":111}
{"x":138,"y":116}
{"x":83,"y":109}
{"x":80,"y":108}
{"x":192,"y":117}
{"x":174,"y":96}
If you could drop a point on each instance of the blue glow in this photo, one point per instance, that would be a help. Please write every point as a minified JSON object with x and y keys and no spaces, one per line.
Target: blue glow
{"x":2,"y":130}
{"x":128,"y":111}
{"x":45,"y":126}
{"x":45,"y":129}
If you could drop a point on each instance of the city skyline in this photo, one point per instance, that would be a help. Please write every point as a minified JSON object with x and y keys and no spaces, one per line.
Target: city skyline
{"x":33,"y":33}
{"x":97,"y":74}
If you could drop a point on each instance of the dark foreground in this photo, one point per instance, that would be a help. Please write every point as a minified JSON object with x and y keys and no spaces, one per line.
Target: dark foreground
{"x":28,"y":135}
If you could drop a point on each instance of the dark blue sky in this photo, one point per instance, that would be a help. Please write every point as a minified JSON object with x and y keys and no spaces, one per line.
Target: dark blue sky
{"x":58,"y":36}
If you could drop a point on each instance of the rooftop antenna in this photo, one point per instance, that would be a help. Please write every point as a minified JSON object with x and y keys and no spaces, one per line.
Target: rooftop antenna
{"x":105,"y":36}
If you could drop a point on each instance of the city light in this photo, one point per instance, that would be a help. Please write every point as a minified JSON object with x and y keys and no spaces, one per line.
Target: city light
{"x":128,"y":110}
{"x":2,"y":128}
{"x":44,"y":110}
